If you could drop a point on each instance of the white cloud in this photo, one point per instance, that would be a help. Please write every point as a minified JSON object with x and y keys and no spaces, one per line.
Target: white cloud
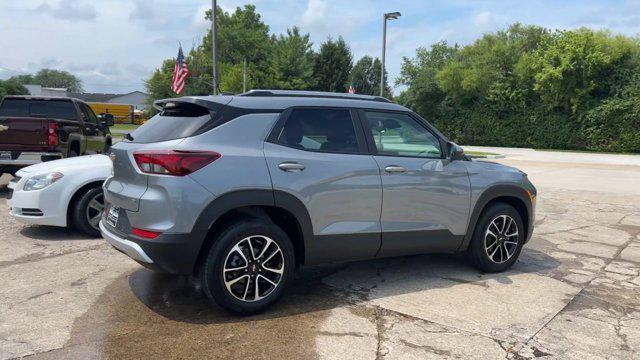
{"x":484,"y":19}
{"x":315,"y":14}
{"x":68,"y":10}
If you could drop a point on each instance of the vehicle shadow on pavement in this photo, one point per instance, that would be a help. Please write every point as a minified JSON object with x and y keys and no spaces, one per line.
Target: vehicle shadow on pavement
{"x":53,"y":233}
{"x":154,"y":315}
{"x":322,"y":288}
{"x":5,"y":192}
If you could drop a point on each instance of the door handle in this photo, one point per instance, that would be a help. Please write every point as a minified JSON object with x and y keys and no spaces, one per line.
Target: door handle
{"x":291,"y":166}
{"x":395,"y":169}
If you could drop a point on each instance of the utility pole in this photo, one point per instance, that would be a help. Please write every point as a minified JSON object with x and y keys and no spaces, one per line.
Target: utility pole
{"x":214,"y":58}
{"x":244,"y":74}
{"x":385,"y":17}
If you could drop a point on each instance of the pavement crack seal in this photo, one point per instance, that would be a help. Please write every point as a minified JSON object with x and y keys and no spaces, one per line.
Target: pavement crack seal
{"x":426,"y":348}
{"x":623,"y":337}
{"x":40,"y":256}
{"x":381,"y":335}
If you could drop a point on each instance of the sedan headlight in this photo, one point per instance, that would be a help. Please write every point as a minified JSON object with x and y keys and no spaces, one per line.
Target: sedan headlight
{"x":41,"y":181}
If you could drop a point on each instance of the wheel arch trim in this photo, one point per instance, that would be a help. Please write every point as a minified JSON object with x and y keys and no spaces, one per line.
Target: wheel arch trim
{"x":246,"y":198}
{"x":490,"y":194}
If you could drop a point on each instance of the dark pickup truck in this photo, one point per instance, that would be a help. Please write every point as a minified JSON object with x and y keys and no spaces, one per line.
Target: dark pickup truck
{"x":35,"y":129}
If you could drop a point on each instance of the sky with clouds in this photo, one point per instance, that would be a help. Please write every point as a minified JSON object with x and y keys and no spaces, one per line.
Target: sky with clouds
{"x":113,"y":45}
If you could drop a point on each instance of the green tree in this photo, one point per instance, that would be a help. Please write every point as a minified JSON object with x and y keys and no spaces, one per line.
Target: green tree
{"x":159,"y":84}
{"x":292,"y":61}
{"x":12,"y":87}
{"x":573,"y":68}
{"x":58,"y":79}
{"x":332,"y":66}
{"x":419,"y":74}
{"x":241,"y":34}
{"x":487,"y":68}
{"x":365,"y":77}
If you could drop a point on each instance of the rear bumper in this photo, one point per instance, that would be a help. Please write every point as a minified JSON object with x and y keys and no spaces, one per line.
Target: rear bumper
{"x":128,"y":247}
{"x":27,"y":158}
{"x":170,"y":253}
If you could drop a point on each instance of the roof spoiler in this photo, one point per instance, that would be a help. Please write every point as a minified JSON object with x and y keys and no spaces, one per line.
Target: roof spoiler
{"x":213,"y":103}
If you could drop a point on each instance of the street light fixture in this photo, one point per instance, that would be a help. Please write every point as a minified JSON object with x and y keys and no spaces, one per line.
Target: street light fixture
{"x":387,"y":16}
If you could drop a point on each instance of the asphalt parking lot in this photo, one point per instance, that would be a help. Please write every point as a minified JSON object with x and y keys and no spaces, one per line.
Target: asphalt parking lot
{"x":574,"y":293}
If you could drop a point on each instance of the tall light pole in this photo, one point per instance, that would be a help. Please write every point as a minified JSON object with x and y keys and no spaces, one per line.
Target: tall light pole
{"x":387,"y":16}
{"x":214,"y":58}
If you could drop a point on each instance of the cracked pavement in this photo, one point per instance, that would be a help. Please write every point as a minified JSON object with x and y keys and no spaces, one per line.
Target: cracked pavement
{"x":573,"y":294}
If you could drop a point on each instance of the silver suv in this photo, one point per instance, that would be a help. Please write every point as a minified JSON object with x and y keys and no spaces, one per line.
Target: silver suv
{"x":243,"y":189}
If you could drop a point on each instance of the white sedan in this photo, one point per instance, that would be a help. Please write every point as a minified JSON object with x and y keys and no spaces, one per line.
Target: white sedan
{"x":65,"y":192}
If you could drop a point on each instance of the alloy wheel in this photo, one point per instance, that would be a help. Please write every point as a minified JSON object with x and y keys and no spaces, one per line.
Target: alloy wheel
{"x":253,"y":268}
{"x":501,"y":239}
{"x":94,"y":210}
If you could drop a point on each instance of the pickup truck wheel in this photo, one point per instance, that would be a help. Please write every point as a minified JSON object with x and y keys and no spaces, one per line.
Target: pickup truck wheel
{"x":248,"y":267}
{"x":87,"y":211}
{"x":498,"y":239}
{"x":72,"y":153}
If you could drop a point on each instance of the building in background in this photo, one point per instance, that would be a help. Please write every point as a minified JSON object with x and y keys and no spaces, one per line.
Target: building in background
{"x":126,"y":108}
{"x":136,"y":98}
{"x":38,"y":90}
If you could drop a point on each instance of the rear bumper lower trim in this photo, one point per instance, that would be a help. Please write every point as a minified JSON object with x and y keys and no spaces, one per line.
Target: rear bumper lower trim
{"x":130,"y":248}
{"x":30,"y":158}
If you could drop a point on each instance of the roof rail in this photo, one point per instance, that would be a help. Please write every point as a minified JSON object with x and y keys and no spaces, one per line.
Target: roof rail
{"x":312,"y":94}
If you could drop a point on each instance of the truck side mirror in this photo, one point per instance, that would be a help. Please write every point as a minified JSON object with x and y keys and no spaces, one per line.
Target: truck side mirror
{"x":106,"y":119}
{"x":455,"y":152}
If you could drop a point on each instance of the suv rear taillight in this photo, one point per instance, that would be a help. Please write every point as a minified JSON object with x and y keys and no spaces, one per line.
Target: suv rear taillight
{"x":173,"y":162}
{"x":52,"y":135}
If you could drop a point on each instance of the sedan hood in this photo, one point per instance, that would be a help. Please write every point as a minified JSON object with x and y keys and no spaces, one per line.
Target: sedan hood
{"x":89,"y":162}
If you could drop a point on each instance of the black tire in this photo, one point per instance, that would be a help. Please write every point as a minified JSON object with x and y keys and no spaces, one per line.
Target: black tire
{"x":84,"y":208}
{"x":222,"y":252}
{"x":498,"y":253}
{"x":72,"y":153}
{"x":107,"y":148}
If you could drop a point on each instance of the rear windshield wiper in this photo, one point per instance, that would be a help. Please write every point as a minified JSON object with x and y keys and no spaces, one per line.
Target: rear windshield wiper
{"x":128,"y":137}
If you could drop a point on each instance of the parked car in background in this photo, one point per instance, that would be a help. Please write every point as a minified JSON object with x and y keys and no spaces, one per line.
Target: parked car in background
{"x":243,"y":189}
{"x":65,"y":192}
{"x":37,"y":129}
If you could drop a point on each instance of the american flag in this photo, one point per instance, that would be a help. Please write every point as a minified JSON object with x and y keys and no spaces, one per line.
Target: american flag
{"x":352,"y":90}
{"x":180,"y":73}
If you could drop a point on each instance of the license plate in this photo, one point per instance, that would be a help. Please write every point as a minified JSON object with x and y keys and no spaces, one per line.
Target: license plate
{"x":5,"y":155}
{"x":112,"y":216}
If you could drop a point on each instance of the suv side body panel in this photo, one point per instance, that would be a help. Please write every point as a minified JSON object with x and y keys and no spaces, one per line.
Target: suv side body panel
{"x":242,"y":164}
{"x":342,"y":194}
{"x":425,"y":209}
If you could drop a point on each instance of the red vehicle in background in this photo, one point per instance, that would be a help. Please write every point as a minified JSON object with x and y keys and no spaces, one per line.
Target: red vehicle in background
{"x":36,"y":129}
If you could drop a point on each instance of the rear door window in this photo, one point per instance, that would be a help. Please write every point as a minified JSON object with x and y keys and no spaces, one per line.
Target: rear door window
{"x":15,"y":107}
{"x":326,"y":130}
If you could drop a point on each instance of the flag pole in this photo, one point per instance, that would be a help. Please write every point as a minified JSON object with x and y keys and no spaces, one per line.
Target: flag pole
{"x":214,"y":58}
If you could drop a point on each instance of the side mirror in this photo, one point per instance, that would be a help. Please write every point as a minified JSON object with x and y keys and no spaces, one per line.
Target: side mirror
{"x":105,"y":119}
{"x":455,"y":152}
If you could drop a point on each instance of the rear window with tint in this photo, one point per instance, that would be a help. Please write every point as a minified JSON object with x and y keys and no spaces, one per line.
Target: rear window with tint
{"x":173,"y":124}
{"x":57,"y":109}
